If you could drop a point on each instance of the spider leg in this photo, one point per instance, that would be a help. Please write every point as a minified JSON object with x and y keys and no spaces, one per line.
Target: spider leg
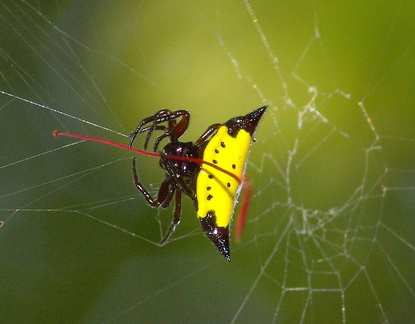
{"x":180,"y":127}
{"x":144,"y":122}
{"x":175,"y":129}
{"x":159,"y":127}
{"x":160,"y":118}
{"x":164,"y":196}
{"x":176,"y":218}
{"x":206,"y":135}
{"x":150,"y":130}
{"x":159,"y":139}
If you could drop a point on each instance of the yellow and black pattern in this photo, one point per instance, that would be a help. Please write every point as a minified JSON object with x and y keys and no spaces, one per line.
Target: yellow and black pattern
{"x":217,"y":191}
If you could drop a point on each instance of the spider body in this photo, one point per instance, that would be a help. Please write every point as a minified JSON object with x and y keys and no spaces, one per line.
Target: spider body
{"x":179,"y":173}
{"x":214,"y":191}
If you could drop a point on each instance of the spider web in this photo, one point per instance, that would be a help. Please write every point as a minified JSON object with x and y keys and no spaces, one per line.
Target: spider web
{"x":330,"y":230}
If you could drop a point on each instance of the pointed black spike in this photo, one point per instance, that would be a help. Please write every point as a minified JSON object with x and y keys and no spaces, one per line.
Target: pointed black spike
{"x":254,"y":118}
{"x":217,"y":235}
{"x":249,"y":122}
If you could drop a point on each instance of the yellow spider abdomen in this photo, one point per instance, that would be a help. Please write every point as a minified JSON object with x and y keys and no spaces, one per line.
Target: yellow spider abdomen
{"x":217,"y":191}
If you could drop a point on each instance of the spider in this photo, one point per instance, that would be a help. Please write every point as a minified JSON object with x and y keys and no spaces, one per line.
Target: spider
{"x":214,"y":190}
{"x":209,"y":171}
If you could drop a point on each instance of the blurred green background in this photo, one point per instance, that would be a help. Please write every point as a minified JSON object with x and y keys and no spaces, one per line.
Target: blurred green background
{"x":330,"y":231}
